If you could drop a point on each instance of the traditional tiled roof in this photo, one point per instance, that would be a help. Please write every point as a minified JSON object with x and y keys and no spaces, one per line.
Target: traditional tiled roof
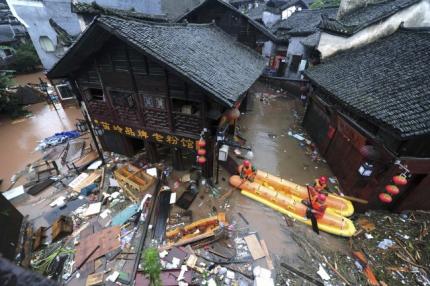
{"x":176,"y":8}
{"x":256,"y":13}
{"x":203,"y":53}
{"x":386,"y":81}
{"x":288,"y":3}
{"x":6,"y":34}
{"x":312,"y":40}
{"x":96,"y":9}
{"x":275,"y":7}
{"x":364,"y":17}
{"x":304,"y":22}
{"x":252,"y":22}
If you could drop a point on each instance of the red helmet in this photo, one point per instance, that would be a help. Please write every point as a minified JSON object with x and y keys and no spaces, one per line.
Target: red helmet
{"x":246,"y":163}
{"x":322,"y":197}
{"x":323,"y":180}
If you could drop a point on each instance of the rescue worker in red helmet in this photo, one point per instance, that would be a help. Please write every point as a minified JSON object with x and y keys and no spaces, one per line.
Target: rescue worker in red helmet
{"x":321,"y":185}
{"x":248,"y":171}
{"x":319,"y":205}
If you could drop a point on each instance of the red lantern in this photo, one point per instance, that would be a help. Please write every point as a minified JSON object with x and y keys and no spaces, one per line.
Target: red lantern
{"x":392,"y":189}
{"x":400,"y":180}
{"x":385,"y":198}
{"x":201,"y":152}
{"x":201,"y":160}
{"x":201,"y":143}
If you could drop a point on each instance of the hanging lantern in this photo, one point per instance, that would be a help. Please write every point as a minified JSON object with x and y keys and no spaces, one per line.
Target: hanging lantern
{"x":366,"y":169}
{"x":400,"y":180}
{"x":201,"y":152}
{"x":201,"y":143}
{"x":201,"y":160}
{"x":392,"y":189}
{"x":385,"y":198}
{"x":330,"y":132}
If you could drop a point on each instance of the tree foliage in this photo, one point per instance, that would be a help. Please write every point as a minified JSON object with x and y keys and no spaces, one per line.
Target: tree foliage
{"x":9,"y":104}
{"x":317,"y":4}
{"x":26,"y":58}
{"x":152,"y":265}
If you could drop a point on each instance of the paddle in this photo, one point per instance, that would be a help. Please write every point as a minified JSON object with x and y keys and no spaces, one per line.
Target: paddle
{"x":310,"y":214}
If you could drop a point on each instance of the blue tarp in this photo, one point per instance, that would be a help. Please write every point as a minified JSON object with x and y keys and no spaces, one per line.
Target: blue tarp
{"x":57,"y":138}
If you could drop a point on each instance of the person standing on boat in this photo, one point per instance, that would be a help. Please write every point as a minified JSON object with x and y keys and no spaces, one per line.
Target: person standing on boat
{"x":319,"y":205}
{"x":248,"y":171}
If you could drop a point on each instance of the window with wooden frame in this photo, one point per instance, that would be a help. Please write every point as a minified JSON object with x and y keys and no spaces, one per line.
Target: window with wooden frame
{"x":122,"y":98}
{"x":154,"y":102}
{"x":94,"y":94}
{"x":186,"y":106}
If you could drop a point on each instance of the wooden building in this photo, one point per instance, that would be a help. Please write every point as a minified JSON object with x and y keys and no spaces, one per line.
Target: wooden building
{"x":157,"y":85}
{"x":238,"y":25}
{"x":369,"y":107}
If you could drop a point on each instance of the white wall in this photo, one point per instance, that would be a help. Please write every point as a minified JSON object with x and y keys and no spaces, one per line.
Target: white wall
{"x":417,"y":15}
{"x":295,"y":47}
{"x":35,"y":15}
{"x":269,"y":18}
{"x":288,"y":12}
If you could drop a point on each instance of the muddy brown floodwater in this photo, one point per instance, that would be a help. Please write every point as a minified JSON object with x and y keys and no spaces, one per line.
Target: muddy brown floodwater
{"x":19,"y":138}
{"x":23,"y":79}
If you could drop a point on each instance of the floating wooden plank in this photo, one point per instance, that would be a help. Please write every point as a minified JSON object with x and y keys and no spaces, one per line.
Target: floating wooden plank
{"x":266,"y":252}
{"x":254,"y":246}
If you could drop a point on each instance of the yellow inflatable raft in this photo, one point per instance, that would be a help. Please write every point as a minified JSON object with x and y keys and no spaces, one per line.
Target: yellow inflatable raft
{"x":330,"y":222}
{"x":336,"y":203}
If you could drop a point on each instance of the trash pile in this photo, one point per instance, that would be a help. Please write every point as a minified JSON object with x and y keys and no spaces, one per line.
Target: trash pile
{"x":388,"y":249}
{"x":397,"y":246}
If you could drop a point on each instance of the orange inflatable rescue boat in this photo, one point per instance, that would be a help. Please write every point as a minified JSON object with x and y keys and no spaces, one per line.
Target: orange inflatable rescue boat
{"x":330,"y":221}
{"x":336,"y":203}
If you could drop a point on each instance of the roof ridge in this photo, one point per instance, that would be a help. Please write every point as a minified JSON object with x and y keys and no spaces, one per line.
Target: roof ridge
{"x":152,"y":23}
{"x":257,"y":25}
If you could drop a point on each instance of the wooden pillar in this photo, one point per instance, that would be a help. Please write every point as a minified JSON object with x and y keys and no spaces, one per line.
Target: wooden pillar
{"x":208,"y":168}
{"x":178,"y":163}
{"x":151,"y":151}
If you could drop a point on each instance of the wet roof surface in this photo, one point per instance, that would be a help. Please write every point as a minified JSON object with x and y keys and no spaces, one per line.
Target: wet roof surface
{"x":304,"y":21}
{"x":385,"y":81}
{"x":365,"y":16}
{"x":202,"y":52}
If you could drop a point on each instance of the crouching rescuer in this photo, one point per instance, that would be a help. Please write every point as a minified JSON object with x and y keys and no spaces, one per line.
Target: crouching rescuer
{"x":248,"y":171}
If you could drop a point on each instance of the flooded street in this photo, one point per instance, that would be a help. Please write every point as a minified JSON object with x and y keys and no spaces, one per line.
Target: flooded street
{"x":265,"y":126}
{"x":23,"y":79}
{"x":19,"y":138}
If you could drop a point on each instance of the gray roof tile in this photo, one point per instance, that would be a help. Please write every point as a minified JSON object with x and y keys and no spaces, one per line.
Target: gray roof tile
{"x":303,"y":22}
{"x":201,"y":52}
{"x":385,"y":81}
{"x":365,"y":16}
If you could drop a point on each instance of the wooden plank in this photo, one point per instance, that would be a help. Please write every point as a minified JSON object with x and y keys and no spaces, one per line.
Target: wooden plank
{"x":266,"y":252}
{"x":77,"y":184}
{"x":95,"y":279}
{"x":254,"y":246}
{"x":106,"y":240}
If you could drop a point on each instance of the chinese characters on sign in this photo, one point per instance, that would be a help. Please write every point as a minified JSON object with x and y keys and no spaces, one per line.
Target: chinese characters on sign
{"x":149,"y":135}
